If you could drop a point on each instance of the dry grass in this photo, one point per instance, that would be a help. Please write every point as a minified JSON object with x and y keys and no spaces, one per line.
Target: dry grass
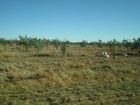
{"x":82,"y":77}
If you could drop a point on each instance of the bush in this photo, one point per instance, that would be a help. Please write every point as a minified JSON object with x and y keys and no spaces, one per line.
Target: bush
{"x":25,"y":42}
{"x":63,"y":48}
{"x":56,"y":43}
{"x":83,"y":43}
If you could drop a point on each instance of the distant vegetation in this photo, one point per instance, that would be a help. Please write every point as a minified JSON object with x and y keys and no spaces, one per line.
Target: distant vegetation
{"x":26,"y":43}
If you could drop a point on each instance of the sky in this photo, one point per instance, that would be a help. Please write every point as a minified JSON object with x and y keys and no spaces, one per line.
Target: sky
{"x":73,"y":20}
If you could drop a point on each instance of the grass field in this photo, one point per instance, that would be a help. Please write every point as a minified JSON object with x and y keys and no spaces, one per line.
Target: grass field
{"x":81,"y":77}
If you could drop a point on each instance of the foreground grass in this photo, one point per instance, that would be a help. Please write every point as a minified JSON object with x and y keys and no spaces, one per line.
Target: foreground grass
{"x":80,"y":94}
{"x":80,"y":78}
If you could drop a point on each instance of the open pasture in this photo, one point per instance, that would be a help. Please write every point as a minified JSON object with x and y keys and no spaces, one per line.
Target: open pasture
{"x":81,"y":77}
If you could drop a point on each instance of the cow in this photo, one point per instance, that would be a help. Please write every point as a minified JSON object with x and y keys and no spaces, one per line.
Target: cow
{"x":105,"y":54}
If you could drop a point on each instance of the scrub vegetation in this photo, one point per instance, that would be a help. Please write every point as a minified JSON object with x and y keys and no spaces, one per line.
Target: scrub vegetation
{"x":52,"y":72}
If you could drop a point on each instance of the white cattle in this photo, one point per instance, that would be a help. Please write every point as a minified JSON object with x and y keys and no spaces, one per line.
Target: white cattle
{"x":125,"y":55}
{"x":105,"y":55}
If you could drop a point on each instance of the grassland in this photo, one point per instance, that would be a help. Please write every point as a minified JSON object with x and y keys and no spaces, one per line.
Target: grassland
{"x":81,"y":77}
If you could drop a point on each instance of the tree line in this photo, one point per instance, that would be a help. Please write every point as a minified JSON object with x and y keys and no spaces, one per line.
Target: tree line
{"x":28,"y":42}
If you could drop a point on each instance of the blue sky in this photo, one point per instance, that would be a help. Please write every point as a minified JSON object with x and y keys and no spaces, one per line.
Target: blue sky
{"x":73,"y":20}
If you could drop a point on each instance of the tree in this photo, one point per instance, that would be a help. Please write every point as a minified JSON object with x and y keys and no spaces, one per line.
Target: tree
{"x":100,"y":43}
{"x":3,"y":41}
{"x":127,"y":44}
{"x":25,"y":42}
{"x":63,"y":48}
{"x":38,"y":43}
{"x":136,"y":44}
{"x":83,"y":43}
{"x":56,"y":43}
{"x":112,"y":45}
